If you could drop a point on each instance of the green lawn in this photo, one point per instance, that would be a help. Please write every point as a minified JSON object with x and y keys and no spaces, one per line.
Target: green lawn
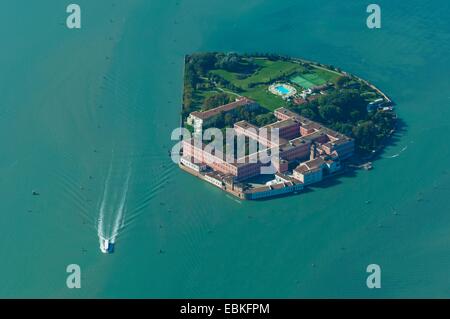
{"x":200,"y":95}
{"x":302,"y":81}
{"x":253,"y":81}
{"x":264,"y":98}
{"x":317,"y":77}
{"x":269,"y":71}
{"x":327,"y":75}
{"x":206,"y":94}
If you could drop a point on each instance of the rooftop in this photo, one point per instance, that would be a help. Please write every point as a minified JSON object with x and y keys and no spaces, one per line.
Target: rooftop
{"x":310,"y":166}
{"x":215,"y":175}
{"x":281,"y":124}
{"x":258,"y":189}
{"x":302,"y":169}
{"x":223,"y":108}
{"x":246,"y":125}
{"x":315,"y":163}
{"x":307,"y":123}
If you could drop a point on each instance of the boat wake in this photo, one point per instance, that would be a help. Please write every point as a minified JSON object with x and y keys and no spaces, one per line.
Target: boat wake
{"x":112,"y":212}
{"x":398,"y":154}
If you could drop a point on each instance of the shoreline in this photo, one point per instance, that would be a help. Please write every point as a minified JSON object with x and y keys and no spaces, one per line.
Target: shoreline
{"x":345,"y":73}
{"x":242,"y":195}
{"x":360,"y":159}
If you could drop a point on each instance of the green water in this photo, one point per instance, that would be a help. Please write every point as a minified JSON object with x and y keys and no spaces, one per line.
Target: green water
{"x":79,"y":106}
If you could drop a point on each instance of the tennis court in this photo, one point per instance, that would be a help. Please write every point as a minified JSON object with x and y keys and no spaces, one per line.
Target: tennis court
{"x":308,"y":80}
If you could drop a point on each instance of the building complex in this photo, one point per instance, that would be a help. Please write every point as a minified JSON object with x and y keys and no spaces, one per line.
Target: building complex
{"x":301,"y":152}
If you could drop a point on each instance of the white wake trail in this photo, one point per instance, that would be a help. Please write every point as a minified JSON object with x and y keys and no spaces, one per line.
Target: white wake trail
{"x":398,"y":154}
{"x":119,"y":221}
{"x":101,"y":217}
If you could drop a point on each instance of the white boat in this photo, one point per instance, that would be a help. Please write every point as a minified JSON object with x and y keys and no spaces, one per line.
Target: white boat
{"x":106,"y":246}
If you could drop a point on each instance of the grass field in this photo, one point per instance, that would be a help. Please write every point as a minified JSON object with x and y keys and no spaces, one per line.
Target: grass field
{"x":303,"y":81}
{"x":270,"y":70}
{"x":200,"y":95}
{"x":266,"y":99}
{"x":317,"y":77}
{"x":267,"y":73}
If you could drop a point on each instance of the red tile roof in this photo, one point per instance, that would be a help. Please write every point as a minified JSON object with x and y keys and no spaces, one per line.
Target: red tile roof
{"x":223,"y":108}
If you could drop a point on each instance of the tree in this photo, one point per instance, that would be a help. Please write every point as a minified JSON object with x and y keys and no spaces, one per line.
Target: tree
{"x":330,"y":113}
{"x":228,"y":119}
{"x":366,"y":135}
{"x":191,"y":76}
{"x":264,"y":119}
{"x":202,"y":62}
{"x":308,"y":113}
{"x":355,"y":115}
{"x":346,"y":129}
{"x":341,"y":81}
{"x":218,"y":120}
{"x":216,"y":100}
{"x":385,"y":121}
{"x":229,"y":62}
{"x":347,"y":100}
{"x":233,"y":62}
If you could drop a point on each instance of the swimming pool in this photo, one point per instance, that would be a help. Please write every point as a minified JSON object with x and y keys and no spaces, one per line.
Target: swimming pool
{"x":282,"y":89}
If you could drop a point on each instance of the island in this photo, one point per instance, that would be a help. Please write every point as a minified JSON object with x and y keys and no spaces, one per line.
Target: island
{"x":309,"y":119}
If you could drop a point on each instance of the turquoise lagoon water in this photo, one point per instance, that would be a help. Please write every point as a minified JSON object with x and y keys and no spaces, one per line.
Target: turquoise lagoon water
{"x":86,"y":117}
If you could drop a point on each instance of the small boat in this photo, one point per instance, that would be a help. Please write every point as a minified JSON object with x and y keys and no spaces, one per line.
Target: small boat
{"x":106,"y":246}
{"x":368,"y":166}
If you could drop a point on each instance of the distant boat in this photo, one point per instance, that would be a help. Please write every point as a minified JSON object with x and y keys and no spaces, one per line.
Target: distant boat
{"x":106,"y":246}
